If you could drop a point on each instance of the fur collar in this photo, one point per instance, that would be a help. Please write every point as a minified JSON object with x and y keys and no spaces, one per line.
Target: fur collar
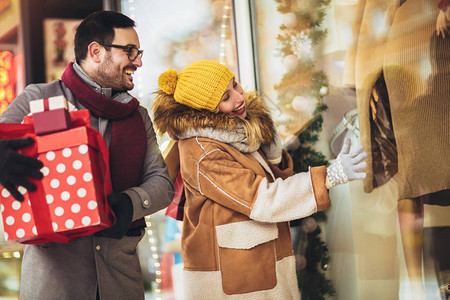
{"x":181,"y":122}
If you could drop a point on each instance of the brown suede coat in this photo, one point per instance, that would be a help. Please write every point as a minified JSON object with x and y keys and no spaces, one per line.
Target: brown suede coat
{"x":236,"y":239}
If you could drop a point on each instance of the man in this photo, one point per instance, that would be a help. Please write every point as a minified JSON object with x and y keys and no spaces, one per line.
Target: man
{"x":104,"y":265}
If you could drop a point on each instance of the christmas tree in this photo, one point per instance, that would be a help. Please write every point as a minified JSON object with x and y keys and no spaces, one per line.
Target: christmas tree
{"x":300,"y":94}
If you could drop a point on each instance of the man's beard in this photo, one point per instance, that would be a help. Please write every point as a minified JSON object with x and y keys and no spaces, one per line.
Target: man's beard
{"x":111,"y":76}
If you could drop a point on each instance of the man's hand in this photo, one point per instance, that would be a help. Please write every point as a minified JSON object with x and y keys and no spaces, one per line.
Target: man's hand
{"x":15,"y":167}
{"x":347,"y":166}
{"x":123,"y":209}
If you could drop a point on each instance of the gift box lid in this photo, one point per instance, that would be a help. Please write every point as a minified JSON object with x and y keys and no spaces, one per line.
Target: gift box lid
{"x":77,"y":118}
{"x":66,"y":139}
{"x":50,"y":103}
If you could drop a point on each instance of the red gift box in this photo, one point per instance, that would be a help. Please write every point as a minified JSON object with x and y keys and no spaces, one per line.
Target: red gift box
{"x":70,"y":200}
{"x":50,"y":115}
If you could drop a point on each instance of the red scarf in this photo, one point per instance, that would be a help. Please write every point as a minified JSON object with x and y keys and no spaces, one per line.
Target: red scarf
{"x":128,"y":144}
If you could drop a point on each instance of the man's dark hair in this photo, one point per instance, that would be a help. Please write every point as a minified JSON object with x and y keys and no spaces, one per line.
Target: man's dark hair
{"x":98,"y":26}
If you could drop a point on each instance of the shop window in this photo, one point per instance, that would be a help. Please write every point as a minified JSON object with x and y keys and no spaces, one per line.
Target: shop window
{"x":174,"y":34}
{"x":334,"y":59}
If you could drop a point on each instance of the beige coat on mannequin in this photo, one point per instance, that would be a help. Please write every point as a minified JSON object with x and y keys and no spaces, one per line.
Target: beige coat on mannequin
{"x":395,"y":40}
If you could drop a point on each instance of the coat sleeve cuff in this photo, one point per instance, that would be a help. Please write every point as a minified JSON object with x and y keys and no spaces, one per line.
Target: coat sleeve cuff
{"x":318,"y":175}
{"x":285,"y":168}
{"x":141,"y":202}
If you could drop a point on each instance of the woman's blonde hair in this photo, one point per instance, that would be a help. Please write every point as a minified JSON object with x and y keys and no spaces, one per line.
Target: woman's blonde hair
{"x":253,"y":130}
{"x":258,"y":125}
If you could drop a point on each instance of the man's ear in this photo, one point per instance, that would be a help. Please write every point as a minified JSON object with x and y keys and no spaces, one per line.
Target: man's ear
{"x":95,"y":52}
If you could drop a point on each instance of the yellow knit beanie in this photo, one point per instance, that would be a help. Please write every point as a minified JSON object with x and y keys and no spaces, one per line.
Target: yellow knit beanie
{"x":199,"y":85}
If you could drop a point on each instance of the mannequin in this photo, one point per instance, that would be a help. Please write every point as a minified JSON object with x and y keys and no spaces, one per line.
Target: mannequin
{"x":403,"y":110}
{"x":411,"y":210}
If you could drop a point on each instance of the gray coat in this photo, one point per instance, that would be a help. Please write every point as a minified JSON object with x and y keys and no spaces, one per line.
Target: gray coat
{"x":74,"y":270}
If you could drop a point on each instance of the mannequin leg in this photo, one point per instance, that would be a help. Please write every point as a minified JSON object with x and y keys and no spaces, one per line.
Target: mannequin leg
{"x":410,"y":215}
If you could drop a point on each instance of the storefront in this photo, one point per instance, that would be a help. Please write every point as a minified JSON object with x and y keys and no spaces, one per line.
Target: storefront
{"x":302,"y":55}
{"x":326,"y":69}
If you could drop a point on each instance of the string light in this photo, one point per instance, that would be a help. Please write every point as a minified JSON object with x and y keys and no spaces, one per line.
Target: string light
{"x":154,"y":260}
{"x":130,"y":8}
{"x":14,"y":254}
{"x":224,"y":35}
{"x":224,"y":18}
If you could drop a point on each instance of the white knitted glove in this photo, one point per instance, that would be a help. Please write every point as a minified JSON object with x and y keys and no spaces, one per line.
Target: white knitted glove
{"x":273,"y":151}
{"x":347,"y":166}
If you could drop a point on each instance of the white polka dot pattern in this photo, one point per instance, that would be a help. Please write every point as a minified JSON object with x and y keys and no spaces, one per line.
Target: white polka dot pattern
{"x":76,"y":208}
{"x":5,"y":193}
{"x":16,"y":205}
{"x":26,"y":217}
{"x":50,"y":155}
{"x":71,"y":180}
{"x":22,"y":190}
{"x":86,"y":221}
{"x":59,"y":211}
{"x":83,"y":149}
{"x":81,"y":193}
{"x":87,"y":177}
{"x":67,"y":152}
{"x":65,"y":195}
{"x":77,"y":165}
{"x":20,"y":233}
{"x":61,"y":168}
{"x":45,"y":171}
{"x":10,"y":220}
{"x":54,"y":183}
{"x":69,"y":223}
{"x":92,"y":205}
{"x":49,"y":199}
{"x":69,"y":190}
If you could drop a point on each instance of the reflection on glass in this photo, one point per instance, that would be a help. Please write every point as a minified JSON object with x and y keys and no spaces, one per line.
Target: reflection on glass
{"x":391,"y":62}
{"x":398,"y":66}
{"x":175,"y":33}
{"x":389,"y":236}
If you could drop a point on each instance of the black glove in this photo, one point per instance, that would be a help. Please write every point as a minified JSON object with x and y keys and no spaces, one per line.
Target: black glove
{"x":123,"y":209}
{"x":14,"y":167}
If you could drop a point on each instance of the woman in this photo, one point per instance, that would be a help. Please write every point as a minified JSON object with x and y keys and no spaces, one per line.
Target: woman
{"x":239,"y":185}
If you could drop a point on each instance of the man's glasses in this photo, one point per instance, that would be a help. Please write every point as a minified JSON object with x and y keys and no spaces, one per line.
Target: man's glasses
{"x":133,"y":52}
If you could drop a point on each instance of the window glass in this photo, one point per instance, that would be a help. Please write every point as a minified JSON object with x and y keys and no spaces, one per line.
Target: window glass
{"x":174,"y":34}
{"x":386,"y":86}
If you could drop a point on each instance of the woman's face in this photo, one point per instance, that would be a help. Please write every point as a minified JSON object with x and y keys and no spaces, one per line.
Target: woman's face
{"x":233,"y":100}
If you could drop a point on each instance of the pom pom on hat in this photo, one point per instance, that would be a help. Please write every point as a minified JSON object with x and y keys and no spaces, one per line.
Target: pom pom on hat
{"x":200,"y":85}
{"x":168,"y":81}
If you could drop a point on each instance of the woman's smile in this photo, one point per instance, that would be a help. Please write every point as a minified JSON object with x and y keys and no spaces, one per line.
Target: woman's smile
{"x":240,"y":110}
